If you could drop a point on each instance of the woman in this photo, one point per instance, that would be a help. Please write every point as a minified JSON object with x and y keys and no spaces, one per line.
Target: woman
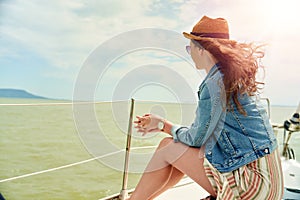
{"x":240,"y":158}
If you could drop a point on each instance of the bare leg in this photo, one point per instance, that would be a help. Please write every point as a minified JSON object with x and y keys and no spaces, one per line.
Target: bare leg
{"x":174,"y":178}
{"x":168,"y":157}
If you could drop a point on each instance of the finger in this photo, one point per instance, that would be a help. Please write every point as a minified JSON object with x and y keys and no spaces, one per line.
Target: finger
{"x":142,"y":130}
{"x":139,"y":117}
{"x":140,"y":127}
{"x":155,"y":130}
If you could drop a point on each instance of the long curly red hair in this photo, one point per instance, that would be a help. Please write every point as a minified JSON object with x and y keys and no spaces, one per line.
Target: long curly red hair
{"x":239,"y":63}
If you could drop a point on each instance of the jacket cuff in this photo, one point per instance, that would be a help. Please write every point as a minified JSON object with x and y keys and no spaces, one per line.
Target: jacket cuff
{"x":174,"y":130}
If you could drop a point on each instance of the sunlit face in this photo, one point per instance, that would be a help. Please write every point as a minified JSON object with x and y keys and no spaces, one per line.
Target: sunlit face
{"x":196,"y":54}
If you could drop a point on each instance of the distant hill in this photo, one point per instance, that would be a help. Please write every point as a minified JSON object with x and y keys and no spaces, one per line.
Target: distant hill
{"x":16,"y":93}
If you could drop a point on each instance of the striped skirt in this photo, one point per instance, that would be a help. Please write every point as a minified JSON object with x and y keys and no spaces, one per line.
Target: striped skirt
{"x":261,"y":179}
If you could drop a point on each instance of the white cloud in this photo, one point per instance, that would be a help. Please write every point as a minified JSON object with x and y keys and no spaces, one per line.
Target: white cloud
{"x":65,"y":32}
{"x":139,"y":64}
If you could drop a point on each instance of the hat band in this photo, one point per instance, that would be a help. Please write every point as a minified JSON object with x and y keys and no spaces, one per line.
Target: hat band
{"x":212,"y":35}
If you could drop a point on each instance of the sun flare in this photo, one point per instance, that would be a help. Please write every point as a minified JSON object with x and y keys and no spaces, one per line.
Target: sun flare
{"x":282,"y":14}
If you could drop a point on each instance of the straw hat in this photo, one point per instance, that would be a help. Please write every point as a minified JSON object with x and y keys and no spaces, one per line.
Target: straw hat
{"x":209,"y":28}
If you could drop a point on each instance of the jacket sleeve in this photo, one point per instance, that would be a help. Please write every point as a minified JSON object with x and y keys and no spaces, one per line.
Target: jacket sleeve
{"x":208,"y":114}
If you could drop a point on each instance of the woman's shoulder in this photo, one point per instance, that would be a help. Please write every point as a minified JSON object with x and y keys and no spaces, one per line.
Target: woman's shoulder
{"x":214,"y":82}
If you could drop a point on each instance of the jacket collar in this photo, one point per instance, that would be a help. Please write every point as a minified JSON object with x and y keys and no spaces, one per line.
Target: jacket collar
{"x":211,"y":72}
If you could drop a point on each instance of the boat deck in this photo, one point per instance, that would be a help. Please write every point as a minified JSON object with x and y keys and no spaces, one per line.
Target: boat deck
{"x":185,"y":189}
{"x":195,"y":192}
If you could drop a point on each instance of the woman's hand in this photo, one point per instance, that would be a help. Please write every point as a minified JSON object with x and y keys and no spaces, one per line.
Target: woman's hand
{"x":148,"y":123}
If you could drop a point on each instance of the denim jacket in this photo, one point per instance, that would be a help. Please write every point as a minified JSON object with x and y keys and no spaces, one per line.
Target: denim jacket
{"x":231,"y":139}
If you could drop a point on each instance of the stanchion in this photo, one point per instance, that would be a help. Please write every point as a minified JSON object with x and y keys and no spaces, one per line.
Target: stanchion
{"x":124,"y":191}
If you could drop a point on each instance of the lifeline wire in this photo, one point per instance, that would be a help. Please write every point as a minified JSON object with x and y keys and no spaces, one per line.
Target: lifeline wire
{"x":69,"y":165}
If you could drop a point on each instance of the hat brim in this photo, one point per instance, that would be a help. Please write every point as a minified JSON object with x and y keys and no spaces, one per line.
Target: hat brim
{"x":191,"y":36}
{"x":194,"y":37}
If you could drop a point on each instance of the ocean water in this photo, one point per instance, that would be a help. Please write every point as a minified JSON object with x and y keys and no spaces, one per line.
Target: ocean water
{"x":38,"y":142}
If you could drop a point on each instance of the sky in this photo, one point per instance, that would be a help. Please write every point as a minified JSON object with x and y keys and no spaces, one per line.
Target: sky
{"x":108,"y":50}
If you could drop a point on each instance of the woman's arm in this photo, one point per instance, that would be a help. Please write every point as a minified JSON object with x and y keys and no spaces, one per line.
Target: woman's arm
{"x":153,"y":123}
{"x":209,"y":111}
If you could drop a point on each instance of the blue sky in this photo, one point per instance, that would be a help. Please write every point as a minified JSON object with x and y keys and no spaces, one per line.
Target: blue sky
{"x":43,"y":46}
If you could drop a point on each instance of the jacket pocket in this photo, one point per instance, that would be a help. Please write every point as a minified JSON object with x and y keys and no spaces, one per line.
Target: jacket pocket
{"x":226,"y":144}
